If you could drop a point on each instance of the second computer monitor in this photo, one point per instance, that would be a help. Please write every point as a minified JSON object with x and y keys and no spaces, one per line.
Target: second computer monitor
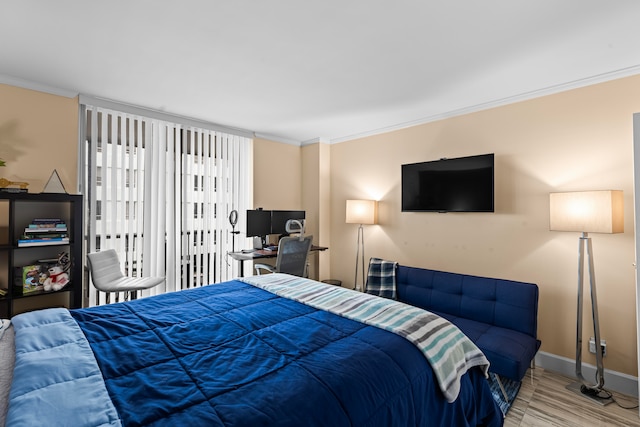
{"x":279,"y":220}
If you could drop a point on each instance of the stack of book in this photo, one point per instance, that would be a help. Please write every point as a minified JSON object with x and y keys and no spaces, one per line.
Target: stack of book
{"x":43,"y":232}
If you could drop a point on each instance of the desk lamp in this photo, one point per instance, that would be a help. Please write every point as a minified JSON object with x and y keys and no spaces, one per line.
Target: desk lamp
{"x":361,"y":212}
{"x":595,"y":212}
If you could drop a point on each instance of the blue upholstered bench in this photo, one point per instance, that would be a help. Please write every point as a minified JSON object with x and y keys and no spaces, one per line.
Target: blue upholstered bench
{"x":499,"y":316}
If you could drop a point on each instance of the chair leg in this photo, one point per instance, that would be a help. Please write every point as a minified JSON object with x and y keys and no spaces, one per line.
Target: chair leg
{"x":129,"y":295}
{"x":504,"y":392}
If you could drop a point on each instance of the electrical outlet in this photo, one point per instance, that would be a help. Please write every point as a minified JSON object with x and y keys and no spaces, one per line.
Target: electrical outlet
{"x":592,"y":346}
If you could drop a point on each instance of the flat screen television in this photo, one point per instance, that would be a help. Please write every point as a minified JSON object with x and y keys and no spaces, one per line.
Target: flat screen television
{"x":463,"y":184}
{"x":279,"y":220}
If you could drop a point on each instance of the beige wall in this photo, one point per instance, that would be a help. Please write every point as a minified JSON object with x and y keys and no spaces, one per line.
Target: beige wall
{"x":279,"y":184}
{"x":316,"y":166}
{"x":577,"y":140}
{"x":277,"y":175}
{"x":38,"y":133}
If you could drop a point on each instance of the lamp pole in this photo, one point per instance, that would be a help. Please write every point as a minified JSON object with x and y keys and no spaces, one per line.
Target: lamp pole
{"x":359,"y":246}
{"x":582,"y":386}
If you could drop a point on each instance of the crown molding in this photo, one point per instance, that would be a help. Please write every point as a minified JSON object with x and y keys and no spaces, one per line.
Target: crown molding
{"x":31,"y":85}
{"x":575,"y":84}
{"x":321,"y":140}
{"x":276,"y":138}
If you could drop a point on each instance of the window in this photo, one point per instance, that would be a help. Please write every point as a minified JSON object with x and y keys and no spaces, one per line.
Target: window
{"x":152,"y":192}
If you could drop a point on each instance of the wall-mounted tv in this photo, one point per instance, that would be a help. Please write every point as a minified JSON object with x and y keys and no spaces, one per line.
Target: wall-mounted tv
{"x":463,"y":184}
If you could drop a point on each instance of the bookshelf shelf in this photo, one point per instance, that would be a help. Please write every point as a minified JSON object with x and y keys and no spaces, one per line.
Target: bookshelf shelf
{"x":17,"y":212}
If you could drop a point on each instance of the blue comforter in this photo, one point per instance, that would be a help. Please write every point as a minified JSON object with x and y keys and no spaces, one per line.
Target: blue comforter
{"x":227,"y":354}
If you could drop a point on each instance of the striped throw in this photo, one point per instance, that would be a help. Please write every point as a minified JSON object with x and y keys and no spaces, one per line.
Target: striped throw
{"x":450,"y":353}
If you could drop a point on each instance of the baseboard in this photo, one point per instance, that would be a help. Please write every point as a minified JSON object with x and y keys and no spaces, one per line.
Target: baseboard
{"x":613,"y":380}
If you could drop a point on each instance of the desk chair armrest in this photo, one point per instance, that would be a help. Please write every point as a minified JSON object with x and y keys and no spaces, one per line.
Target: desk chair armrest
{"x":267,"y":267}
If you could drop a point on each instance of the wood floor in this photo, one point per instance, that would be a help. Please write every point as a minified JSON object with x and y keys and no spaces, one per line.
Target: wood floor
{"x":547,"y":402}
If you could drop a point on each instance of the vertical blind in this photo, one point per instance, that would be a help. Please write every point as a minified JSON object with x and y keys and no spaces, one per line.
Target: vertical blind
{"x":160,"y":194}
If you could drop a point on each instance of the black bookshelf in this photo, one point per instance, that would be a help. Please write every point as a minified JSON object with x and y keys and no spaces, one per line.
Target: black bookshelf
{"x":17,"y":211}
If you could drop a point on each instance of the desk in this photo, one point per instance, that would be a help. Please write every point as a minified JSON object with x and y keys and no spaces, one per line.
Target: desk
{"x":262,"y":254}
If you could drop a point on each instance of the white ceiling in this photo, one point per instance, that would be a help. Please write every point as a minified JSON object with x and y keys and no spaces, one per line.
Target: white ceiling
{"x":298,"y":71}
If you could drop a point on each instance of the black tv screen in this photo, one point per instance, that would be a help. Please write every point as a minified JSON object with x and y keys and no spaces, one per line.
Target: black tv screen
{"x":463,"y":184}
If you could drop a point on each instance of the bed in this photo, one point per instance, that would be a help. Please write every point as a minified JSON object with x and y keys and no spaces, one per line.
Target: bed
{"x":273,"y":350}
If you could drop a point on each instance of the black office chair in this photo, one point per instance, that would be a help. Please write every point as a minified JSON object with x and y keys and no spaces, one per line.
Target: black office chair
{"x":292,"y":253}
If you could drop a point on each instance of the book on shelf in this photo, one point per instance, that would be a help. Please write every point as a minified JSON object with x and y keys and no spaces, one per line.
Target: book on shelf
{"x":47,"y":226}
{"x":44,"y":235}
{"x":43,"y":242}
{"x":47,"y":221}
{"x":38,"y":229}
{"x":28,"y":279}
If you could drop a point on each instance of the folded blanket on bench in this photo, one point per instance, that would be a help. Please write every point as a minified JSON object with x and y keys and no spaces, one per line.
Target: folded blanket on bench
{"x":381,"y":280}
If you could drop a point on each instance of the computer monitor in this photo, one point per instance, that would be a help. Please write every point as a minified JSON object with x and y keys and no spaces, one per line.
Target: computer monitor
{"x":258,"y":224}
{"x":279,"y":220}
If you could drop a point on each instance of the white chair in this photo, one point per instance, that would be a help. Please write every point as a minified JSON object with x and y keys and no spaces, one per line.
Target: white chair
{"x":107,"y":276}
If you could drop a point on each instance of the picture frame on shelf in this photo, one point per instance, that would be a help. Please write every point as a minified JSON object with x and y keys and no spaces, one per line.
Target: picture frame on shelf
{"x":54,"y":184}
{"x":47,"y":275}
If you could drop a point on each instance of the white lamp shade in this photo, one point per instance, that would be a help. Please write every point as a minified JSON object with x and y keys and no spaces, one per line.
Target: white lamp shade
{"x":587,"y":211}
{"x":362,"y":212}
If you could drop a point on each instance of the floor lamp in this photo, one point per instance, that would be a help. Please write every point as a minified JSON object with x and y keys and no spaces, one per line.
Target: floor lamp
{"x":587,"y":212}
{"x":361,"y":212}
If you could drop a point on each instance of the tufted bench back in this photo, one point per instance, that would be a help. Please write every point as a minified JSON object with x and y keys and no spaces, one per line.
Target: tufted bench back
{"x":504,"y":303}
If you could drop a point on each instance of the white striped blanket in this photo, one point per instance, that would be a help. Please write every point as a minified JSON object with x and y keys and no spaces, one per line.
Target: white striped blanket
{"x":447,"y":349}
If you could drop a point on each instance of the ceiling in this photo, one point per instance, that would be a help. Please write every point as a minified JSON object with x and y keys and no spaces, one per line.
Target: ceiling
{"x":332,"y":70}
